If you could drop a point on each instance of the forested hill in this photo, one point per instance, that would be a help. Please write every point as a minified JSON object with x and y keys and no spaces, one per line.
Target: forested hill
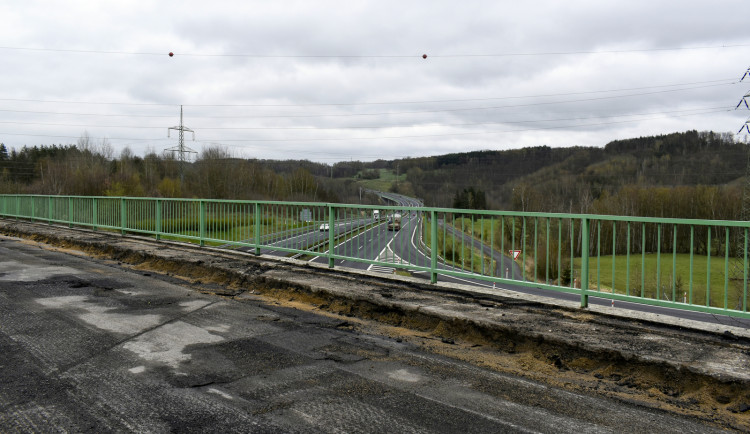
{"x":590,"y":179}
{"x":690,"y":175}
{"x":690,"y":158}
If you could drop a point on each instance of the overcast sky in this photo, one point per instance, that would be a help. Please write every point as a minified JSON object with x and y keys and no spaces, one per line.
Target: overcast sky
{"x":339,"y":80}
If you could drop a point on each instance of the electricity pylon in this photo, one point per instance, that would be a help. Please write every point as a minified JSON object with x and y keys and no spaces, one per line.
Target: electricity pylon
{"x":743,"y":100}
{"x":181,"y":148}
{"x":743,"y":239}
{"x":737,"y":273}
{"x":745,"y":211}
{"x":745,"y":126}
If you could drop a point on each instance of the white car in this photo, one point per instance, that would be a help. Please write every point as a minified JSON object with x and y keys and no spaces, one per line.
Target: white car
{"x":324,"y":227}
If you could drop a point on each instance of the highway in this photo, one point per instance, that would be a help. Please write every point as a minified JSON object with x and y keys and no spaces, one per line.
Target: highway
{"x":405,"y":247}
{"x":305,"y":239}
{"x":372,"y":241}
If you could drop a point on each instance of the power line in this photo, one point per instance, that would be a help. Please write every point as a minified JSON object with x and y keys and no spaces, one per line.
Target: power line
{"x":391,"y":137}
{"x":704,"y":110}
{"x":85,"y":114}
{"x":452,"y":110}
{"x":460,"y":134}
{"x":78,"y":137}
{"x":723,"y":81}
{"x":372,"y":56}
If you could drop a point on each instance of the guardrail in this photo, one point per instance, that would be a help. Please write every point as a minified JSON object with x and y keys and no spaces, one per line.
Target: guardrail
{"x":698,"y":265}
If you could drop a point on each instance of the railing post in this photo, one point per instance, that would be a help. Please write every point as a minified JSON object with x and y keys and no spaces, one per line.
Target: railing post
{"x":49,"y":209}
{"x":433,"y":246}
{"x":331,"y":238}
{"x":70,"y":211}
{"x":584,"y":262}
{"x":95,"y":211}
{"x":256,"y":228}
{"x":123,"y":216}
{"x":33,"y":209}
{"x":158,"y":219}
{"x":203,"y":223}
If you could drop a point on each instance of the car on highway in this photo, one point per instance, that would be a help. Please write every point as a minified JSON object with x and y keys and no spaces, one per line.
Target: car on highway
{"x":324,"y":227}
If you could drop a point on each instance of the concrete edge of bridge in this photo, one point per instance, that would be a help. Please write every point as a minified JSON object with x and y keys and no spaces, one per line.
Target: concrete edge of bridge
{"x":725,"y":328}
{"x":669,"y":362}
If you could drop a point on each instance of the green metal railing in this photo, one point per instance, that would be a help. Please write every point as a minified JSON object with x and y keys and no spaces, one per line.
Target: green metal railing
{"x":698,"y":265}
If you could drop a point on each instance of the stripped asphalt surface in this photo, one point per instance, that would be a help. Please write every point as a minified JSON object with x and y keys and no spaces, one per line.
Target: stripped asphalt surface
{"x":89,"y":346}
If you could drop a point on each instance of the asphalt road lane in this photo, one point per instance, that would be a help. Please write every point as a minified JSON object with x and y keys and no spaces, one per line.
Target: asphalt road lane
{"x":401,"y":247}
{"x":87,"y":346}
{"x":407,"y":249}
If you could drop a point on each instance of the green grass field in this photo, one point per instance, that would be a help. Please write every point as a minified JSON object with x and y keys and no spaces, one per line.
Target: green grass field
{"x":668,"y":278}
{"x":387,"y":177}
{"x":458,"y":255}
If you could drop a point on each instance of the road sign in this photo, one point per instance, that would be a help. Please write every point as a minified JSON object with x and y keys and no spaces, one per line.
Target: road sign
{"x":514,"y":254}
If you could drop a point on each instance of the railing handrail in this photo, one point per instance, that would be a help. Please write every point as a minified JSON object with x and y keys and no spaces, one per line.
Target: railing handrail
{"x":208,"y":219}
{"x":603,"y":217}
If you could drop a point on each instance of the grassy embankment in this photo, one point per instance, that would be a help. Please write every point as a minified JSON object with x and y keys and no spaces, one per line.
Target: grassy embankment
{"x":384,"y":183}
{"x":677,"y":288}
{"x":237,"y":228}
{"x":458,"y":254}
{"x":640,"y":278}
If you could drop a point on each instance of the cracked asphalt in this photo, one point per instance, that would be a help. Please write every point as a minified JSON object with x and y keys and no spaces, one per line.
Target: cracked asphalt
{"x":89,"y":346}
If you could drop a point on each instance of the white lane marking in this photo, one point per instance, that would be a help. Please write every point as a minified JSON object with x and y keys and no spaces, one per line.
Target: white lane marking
{"x":464,"y":280}
{"x":344,"y":242}
{"x":380,"y":269}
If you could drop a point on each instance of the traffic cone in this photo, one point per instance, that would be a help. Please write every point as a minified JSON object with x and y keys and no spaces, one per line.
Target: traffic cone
{"x":613,"y":302}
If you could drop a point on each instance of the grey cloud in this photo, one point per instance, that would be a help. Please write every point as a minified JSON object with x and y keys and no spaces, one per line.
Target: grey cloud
{"x":383,"y":28}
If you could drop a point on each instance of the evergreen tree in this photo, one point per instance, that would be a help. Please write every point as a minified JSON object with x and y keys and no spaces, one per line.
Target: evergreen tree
{"x":470,"y":198}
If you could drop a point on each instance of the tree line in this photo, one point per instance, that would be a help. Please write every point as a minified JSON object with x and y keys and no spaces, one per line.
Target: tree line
{"x":91,"y":168}
{"x":686,"y":175}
